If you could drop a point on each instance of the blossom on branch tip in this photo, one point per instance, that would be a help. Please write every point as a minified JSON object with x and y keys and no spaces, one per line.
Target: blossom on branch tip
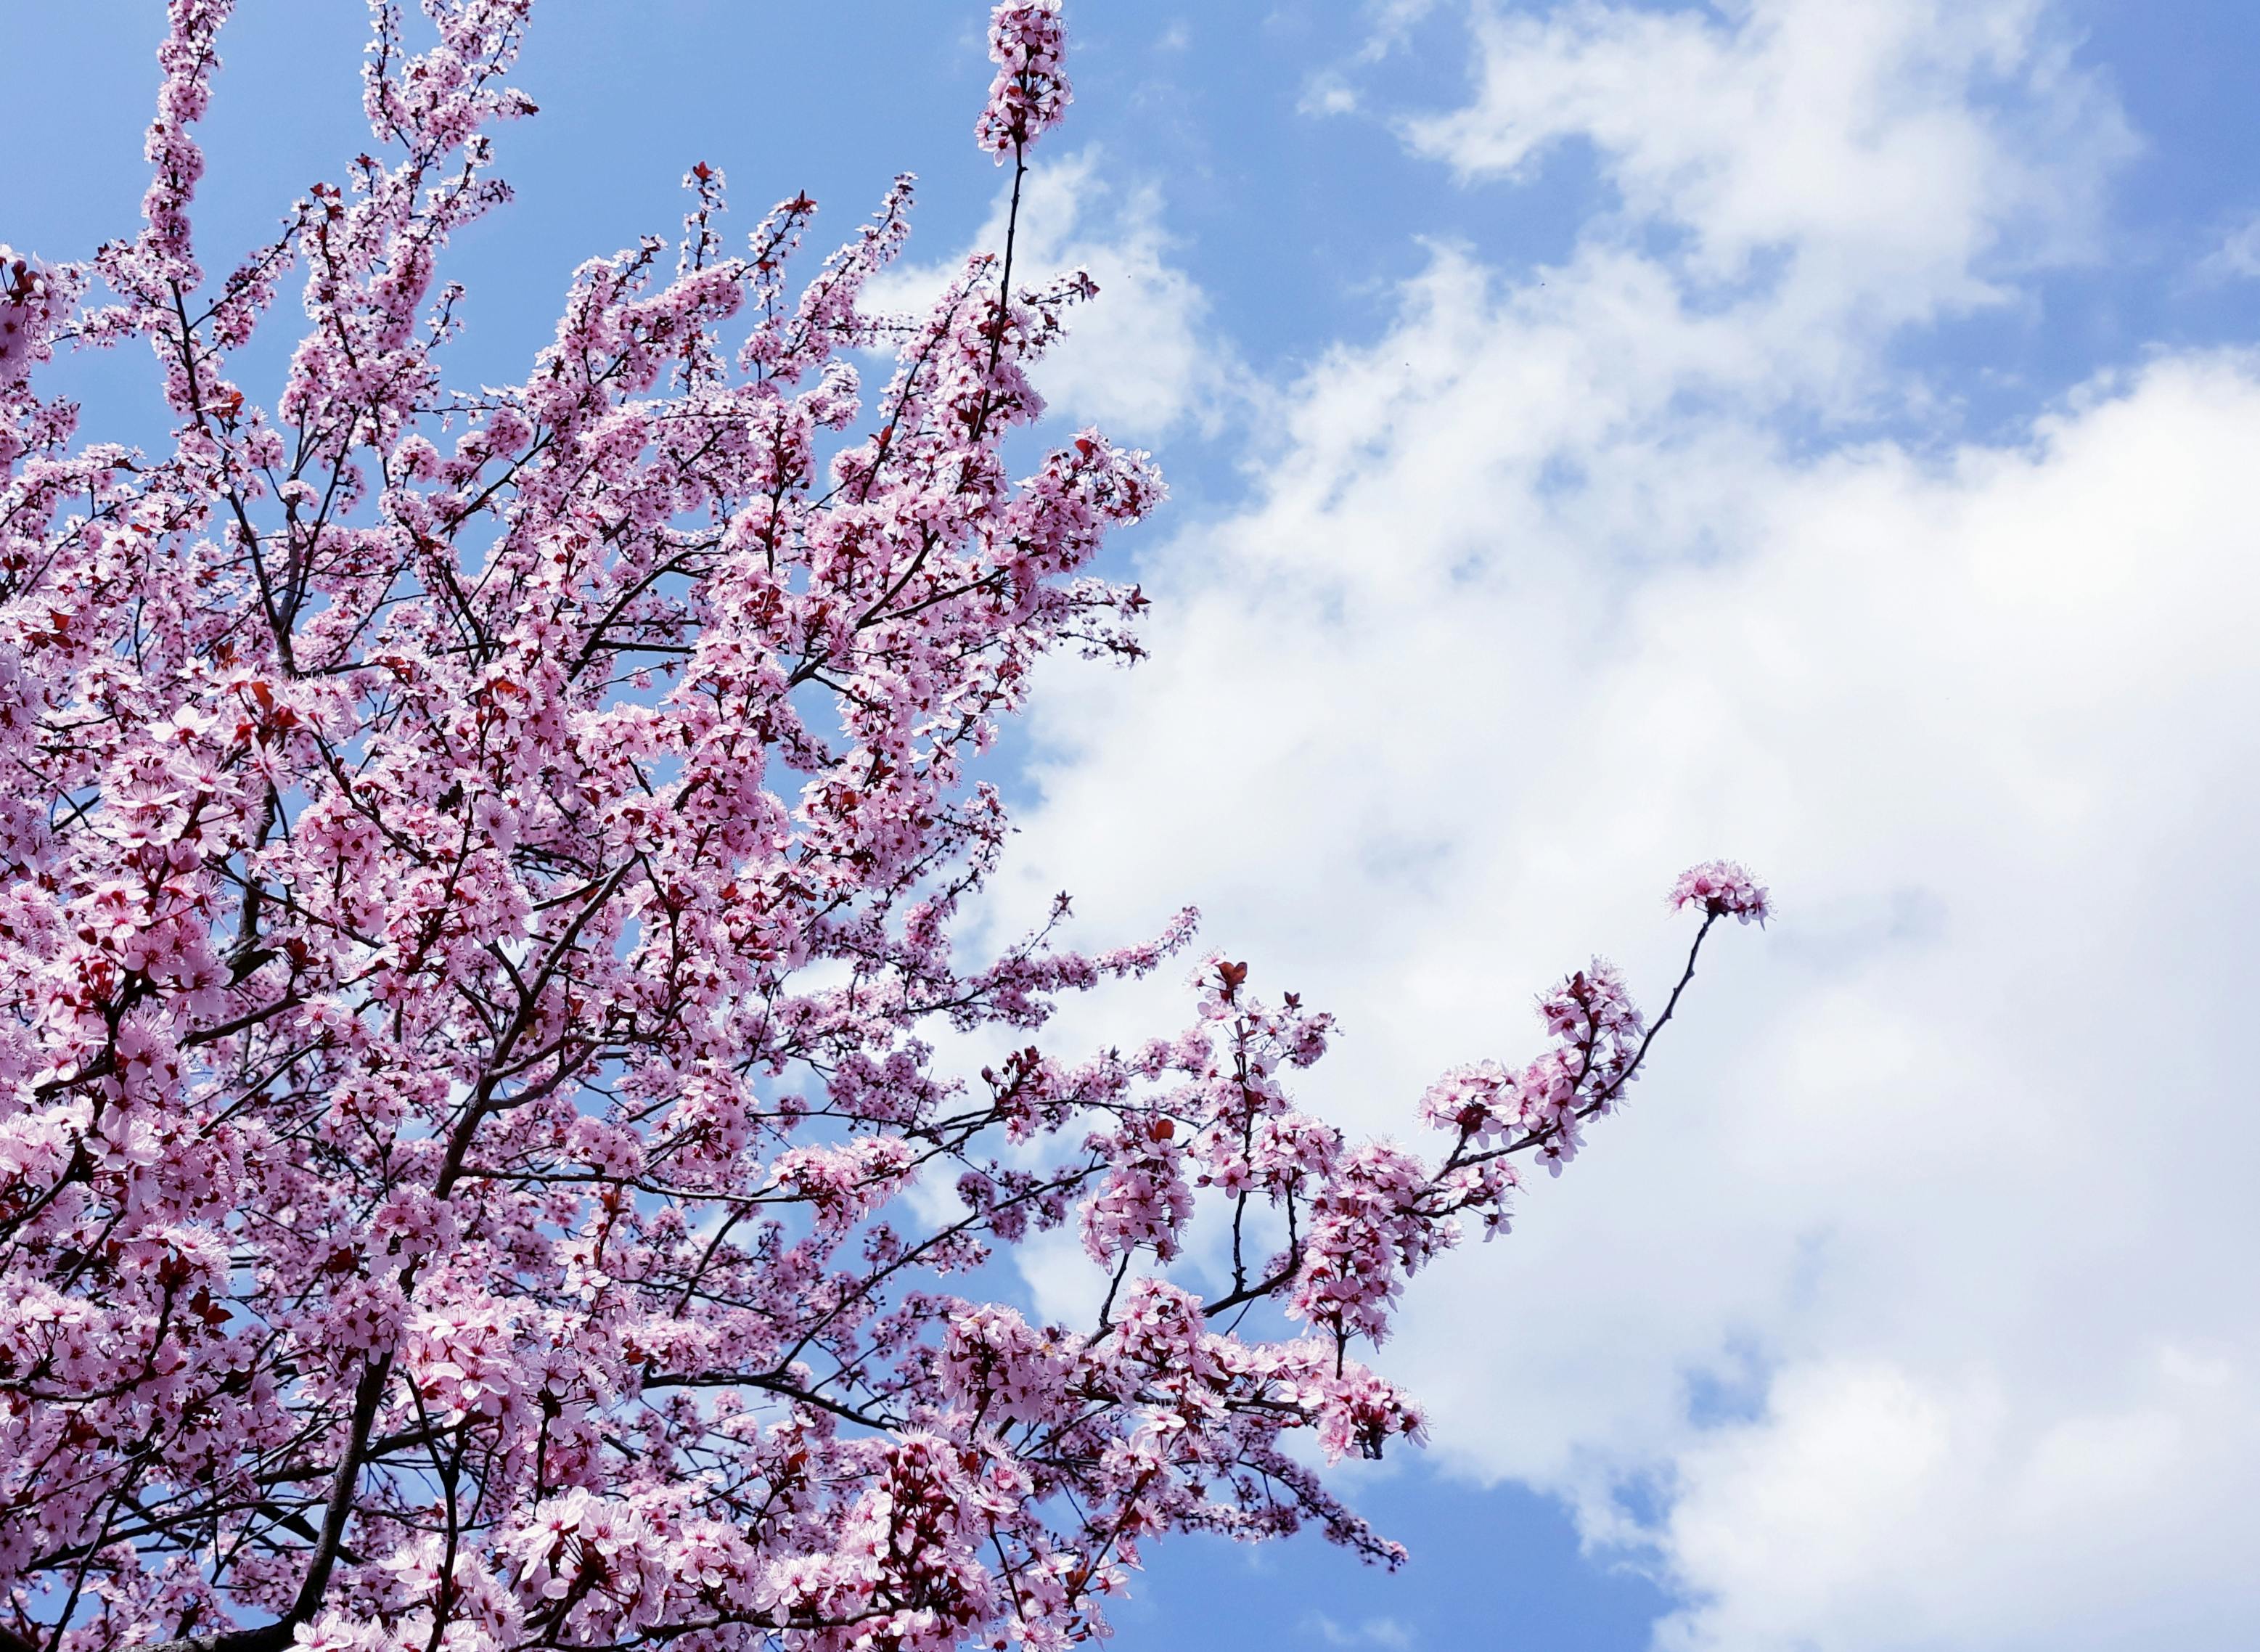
{"x":1722,"y":889}
{"x":1027,"y":42}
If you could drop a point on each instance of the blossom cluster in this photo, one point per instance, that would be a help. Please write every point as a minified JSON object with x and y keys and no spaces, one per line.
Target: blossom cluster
{"x":479,"y":882}
{"x":1028,"y":42}
{"x":27,"y":308}
{"x":1722,"y":889}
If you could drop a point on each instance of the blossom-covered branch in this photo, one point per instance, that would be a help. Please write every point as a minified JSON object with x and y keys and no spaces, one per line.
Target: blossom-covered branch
{"x":478,"y":884}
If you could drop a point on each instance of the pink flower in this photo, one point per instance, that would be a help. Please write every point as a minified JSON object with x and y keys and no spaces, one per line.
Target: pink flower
{"x":483,"y":873}
{"x":30,"y":299}
{"x":1722,"y":889}
{"x":1028,"y":43}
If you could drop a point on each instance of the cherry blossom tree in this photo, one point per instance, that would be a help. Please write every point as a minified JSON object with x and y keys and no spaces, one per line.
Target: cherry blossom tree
{"x":482,"y":1163}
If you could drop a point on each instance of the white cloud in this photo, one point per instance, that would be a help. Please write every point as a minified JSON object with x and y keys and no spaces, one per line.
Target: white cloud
{"x":1891,"y":154}
{"x":1328,"y":94}
{"x":1941,"y":1187}
{"x":2237,"y":258}
{"x":1381,"y":1631}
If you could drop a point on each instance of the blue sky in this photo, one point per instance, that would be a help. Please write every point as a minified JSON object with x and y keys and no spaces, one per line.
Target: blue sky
{"x":1604,"y":435}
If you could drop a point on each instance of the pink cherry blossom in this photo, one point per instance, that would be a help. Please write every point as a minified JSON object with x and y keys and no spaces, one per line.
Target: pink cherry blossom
{"x":484,"y":1160}
{"x":1028,"y":43}
{"x":1723,"y":889}
{"x":29,"y":300}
